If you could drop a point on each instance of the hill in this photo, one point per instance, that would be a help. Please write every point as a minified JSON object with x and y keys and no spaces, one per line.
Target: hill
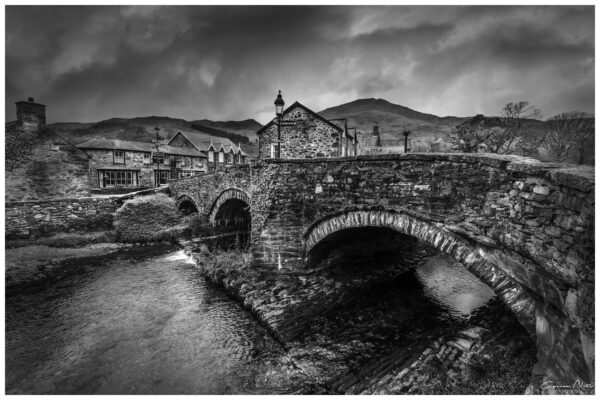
{"x":142,"y":129}
{"x":392,"y":119}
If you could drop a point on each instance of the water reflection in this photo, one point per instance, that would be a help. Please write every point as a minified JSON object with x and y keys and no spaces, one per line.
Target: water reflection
{"x":450,"y":284}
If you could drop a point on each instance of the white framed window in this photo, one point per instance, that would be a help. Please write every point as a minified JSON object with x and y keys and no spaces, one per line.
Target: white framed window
{"x":221,"y":157}
{"x":119,"y":157}
{"x":116,"y":178}
{"x":273,"y":150}
{"x":211,"y":156}
{"x":147,"y":158}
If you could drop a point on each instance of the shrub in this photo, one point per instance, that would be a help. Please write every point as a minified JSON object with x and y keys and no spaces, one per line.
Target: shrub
{"x":147,"y":219}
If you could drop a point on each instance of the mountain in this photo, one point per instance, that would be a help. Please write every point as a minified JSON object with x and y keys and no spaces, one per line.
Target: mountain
{"x":246,"y":127}
{"x":392,"y":119}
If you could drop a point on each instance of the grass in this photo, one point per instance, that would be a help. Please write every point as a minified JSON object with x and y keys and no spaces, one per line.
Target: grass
{"x":148,"y":219}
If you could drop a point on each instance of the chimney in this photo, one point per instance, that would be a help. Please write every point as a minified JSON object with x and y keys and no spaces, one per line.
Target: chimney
{"x":30,"y":113}
{"x":376,"y":139}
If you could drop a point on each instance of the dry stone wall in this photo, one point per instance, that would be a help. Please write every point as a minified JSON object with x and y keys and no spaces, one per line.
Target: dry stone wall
{"x":37,"y":218}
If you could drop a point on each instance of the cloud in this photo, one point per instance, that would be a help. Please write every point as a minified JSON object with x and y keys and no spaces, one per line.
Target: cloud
{"x":227,"y":62}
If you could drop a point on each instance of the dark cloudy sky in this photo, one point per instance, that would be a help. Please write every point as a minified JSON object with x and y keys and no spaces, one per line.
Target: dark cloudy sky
{"x":226,"y":62}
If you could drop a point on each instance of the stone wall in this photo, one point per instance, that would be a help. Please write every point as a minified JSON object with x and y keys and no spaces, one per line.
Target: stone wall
{"x":37,"y":218}
{"x":309,"y":137}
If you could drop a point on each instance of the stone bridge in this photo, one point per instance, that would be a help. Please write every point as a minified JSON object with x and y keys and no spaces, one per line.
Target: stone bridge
{"x":525,"y":228}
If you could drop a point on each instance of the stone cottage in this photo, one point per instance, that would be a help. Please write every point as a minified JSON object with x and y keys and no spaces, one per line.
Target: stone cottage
{"x":120,"y":165}
{"x":303,"y":134}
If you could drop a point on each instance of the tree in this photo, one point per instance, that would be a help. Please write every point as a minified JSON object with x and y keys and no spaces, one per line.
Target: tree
{"x":502,"y":140}
{"x":469,"y":136}
{"x":568,"y":135}
{"x":495,"y":134}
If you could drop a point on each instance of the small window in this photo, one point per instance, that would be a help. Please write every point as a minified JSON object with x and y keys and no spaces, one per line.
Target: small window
{"x":221,"y":157}
{"x":147,"y":158}
{"x":273,"y":150}
{"x":211,"y":156}
{"x":119,"y":157}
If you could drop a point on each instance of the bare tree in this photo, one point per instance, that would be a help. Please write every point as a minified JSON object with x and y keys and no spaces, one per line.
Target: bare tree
{"x":567,"y":135}
{"x":502,"y":141}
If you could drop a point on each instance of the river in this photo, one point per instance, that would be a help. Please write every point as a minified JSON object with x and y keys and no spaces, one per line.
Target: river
{"x":145,"y":322}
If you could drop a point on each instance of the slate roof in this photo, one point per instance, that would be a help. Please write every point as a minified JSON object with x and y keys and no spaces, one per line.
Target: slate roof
{"x":298,"y":104}
{"x":117,"y":144}
{"x":202,"y":141}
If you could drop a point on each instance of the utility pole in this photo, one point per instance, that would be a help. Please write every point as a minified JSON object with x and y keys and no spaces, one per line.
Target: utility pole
{"x":156,"y":129}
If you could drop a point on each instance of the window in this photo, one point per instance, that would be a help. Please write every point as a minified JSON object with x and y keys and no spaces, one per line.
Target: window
{"x":147,"y":158}
{"x":119,"y":157}
{"x":162,"y":176}
{"x":221,"y":157}
{"x":273,"y":150}
{"x":211,"y":156}
{"x":185,"y":174}
{"x":230,"y":158}
{"x":239,"y":157}
{"x":115,"y":178}
{"x":166,"y":159}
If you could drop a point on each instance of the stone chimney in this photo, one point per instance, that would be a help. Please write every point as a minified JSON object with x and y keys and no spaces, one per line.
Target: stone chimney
{"x":30,"y":113}
{"x":375,"y":138}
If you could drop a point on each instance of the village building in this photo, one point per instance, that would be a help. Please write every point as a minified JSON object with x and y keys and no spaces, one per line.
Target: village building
{"x":221,"y":152}
{"x":300,"y":132}
{"x":128,"y":164}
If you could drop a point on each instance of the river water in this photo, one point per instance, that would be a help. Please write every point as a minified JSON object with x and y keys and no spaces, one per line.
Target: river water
{"x":144,"y":321}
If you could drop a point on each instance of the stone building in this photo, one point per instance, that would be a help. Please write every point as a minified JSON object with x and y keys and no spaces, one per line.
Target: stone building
{"x":222,"y":152}
{"x":123,"y":164}
{"x":303,"y":134}
{"x":39,"y":164}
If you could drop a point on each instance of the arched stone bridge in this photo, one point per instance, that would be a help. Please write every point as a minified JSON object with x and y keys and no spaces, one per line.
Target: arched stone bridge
{"x":525,"y":228}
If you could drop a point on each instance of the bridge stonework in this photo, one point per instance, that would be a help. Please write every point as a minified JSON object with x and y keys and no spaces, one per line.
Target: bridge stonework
{"x":523,"y":227}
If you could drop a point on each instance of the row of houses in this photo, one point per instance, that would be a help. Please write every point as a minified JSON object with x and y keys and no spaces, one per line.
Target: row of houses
{"x":129,"y":164}
{"x":122,"y":165}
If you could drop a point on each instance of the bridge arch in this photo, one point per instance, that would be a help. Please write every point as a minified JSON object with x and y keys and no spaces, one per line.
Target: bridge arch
{"x":516,"y":296}
{"x":187,"y":205}
{"x":228,"y":195}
